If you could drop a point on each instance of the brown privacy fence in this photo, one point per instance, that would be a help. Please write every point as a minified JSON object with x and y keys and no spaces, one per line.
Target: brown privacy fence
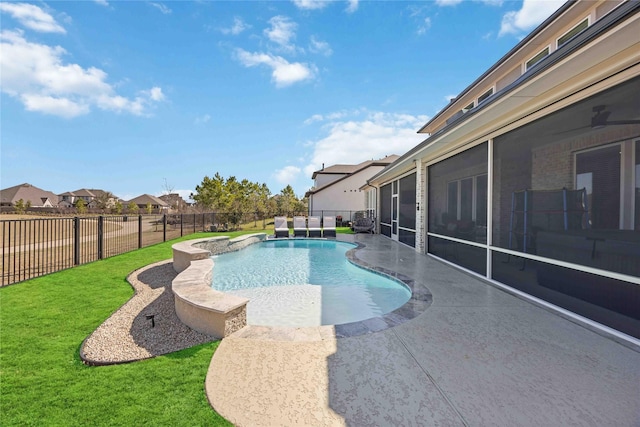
{"x":39,"y":246}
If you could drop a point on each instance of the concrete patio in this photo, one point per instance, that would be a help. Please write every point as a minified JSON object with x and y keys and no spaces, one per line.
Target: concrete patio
{"x":478,"y":356}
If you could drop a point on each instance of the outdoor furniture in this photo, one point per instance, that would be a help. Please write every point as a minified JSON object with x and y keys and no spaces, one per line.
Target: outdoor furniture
{"x":329,"y":226}
{"x":280,"y":226}
{"x":299,"y":226}
{"x":314,"y":227}
{"x":364,"y":225}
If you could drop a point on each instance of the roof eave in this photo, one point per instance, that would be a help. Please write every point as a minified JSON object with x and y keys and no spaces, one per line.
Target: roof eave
{"x":561,"y":10}
{"x":591,"y":33}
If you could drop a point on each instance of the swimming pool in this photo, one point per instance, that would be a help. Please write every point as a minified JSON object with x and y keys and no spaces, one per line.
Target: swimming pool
{"x":305,"y":282}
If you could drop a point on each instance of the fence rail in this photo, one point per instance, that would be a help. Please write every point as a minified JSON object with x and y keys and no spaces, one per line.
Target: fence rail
{"x":38,"y":246}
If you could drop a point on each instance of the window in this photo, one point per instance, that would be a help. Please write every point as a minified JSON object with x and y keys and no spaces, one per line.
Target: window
{"x":572,"y":32}
{"x":485,"y":95}
{"x":598,"y":171}
{"x":539,"y":57}
{"x":467,"y":199}
{"x":458,"y":195}
{"x":468,"y":107}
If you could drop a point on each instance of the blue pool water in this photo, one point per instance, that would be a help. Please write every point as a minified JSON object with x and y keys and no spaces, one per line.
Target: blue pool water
{"x":305,"y":283}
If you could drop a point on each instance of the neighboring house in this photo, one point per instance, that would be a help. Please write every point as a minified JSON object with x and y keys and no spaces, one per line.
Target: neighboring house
{"x":530,"y":177}
{"x":337,"y":189}
{"x":67,"y":199}
{"x":35,"y":196}
{"x":175,"y":201}
{"x":91,"y":197}
{"x":144,"y":200}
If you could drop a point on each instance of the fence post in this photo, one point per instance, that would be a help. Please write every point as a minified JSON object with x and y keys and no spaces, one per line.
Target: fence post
{"x":100,"y":236}
{"x":139,"y":231}
{"x":76,"y":240}
{"x":164,"y":227}
{"x":194,"y":223}
{"x":181,"y":224}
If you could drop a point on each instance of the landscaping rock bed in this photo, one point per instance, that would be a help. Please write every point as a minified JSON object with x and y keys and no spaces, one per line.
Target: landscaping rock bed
{"x":129,"y":334}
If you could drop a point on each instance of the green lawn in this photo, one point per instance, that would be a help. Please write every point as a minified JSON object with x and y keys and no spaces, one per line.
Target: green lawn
{"x":42,"y":380}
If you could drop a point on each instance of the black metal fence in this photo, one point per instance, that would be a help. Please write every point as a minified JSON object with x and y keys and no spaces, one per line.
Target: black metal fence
{"x":39,"y":246}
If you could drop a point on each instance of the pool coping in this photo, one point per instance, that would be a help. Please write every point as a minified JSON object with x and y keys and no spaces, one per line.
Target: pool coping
{"x":196,"y":303}
{"x":194,"y":278}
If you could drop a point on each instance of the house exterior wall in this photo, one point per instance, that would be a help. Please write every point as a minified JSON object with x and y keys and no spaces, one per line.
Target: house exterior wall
{"x":323,"y":179}
{"x":344,"y":195}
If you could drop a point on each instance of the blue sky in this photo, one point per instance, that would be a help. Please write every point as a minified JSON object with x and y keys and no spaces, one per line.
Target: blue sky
{"x":137,"y":97}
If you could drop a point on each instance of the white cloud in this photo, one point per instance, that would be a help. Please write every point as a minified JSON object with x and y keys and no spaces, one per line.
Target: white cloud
{"x":238,"y":27}
{"x":287,"y":174}
{"x":333,"y":116}
{"x":426,"y":24}
{"x":448,"y":2}
{"x":155,"y":93}
{"x":310,"y":4}
{"x":161,"y":7}
{"x":120,"y":104}
{"x":352,"y":7}
{"x":318,"y":46}
{"x":283,"y":73}
{"x":282,"y":31}
{"x":102,"y":2}
{"x":37,"y":75}
{"x":32,"y":17}
{"x":313,"y":119}
{"x":456,"y":2}
{"x":62,"y":107}
{"x":493,"y":2}
{"x":532,"y":13}
{"x":202,"y":119}
{"x":375,"y":136}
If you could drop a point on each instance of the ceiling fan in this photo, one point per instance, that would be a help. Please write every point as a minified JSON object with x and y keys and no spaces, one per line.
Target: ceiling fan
{"x":601,"y":118}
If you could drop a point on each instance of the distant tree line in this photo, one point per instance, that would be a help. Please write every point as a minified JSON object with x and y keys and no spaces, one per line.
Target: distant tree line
{"x":235,"y":199}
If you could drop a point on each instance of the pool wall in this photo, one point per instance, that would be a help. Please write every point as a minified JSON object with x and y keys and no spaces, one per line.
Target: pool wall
{"x":197,"y":304}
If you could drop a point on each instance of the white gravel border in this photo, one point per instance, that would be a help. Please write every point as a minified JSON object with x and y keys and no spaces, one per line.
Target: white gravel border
{"x":128,"y":335}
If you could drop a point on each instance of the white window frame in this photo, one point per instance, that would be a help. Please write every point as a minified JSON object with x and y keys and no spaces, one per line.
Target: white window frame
{"x":587,"y":19}
{"x":527,"y":66}
{"x":485,"y":96}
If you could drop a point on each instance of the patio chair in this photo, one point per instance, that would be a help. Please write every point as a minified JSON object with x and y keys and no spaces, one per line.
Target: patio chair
{"x":329,"y":226}
{"x":364,"y":225}
{"x":280,"y":226}
{"x":314,"y":227}
{"x":299,"y":226}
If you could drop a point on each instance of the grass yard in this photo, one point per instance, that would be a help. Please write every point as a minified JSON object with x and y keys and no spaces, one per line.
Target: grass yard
{"x":43,"y":382}
{"x":43,"y":322}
